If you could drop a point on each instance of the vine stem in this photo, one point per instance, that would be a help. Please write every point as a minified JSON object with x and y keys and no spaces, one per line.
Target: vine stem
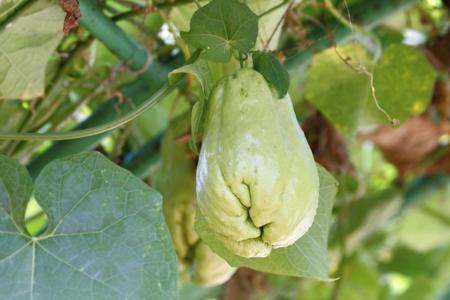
{"x":361,"y":68}
{"x":13,"y":11}
{"x":274,"y":8}
{"x":76,"y":134}
{"x":353,"y":27}
{"x":266,"y":45}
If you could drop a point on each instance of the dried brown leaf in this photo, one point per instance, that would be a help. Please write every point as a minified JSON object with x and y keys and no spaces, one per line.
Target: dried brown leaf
{"x":407,"y":145}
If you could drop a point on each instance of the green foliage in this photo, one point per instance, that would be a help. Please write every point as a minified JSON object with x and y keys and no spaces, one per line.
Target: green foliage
{"x":361,"y":280}
{"x":336,"y":89}
{"x":404,"y":81}
{"x":26,"y":44}
{"x":307,"y":257}
{"x":8,"y":7}
{"x":222,"y":27}
{"x":198,"y":68}
{"x":270,"y":67}
{"x":340,"y":85}
{"x":388,"y":228}
{"x":106,"y":237}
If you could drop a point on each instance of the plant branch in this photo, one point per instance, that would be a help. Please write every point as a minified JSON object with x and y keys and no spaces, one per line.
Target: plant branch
{"x":369,"y":14}
{"x":274,"y":8}
{"x":169,"y":4}
{"x":354,"y":28}
{"x":277,"y":26}
{"x":76,"y":134}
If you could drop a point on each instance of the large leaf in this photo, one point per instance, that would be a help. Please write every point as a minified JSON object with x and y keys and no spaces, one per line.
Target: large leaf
{"x":221,"y":27}
{"x":106,"y":237}
{"x":339,"y":87}
{"x":26,"y":44}
{"x":336,"y":89}
{"x":404,"y":81}
{"x":307,"y":257}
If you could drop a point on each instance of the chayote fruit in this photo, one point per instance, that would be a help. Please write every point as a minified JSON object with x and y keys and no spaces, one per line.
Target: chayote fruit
{"x":177,"y":185}
{"x":257,"y":182}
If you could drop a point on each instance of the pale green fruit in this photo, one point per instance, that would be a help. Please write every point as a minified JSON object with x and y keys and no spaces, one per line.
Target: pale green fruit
{"x":209,"y":268}
{"x":177,"y":185}
{"x":257,"y":182}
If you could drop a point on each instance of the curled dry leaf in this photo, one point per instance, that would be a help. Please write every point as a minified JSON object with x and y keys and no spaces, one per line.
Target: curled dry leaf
{"x":73,"y":14}
{"x":245,"y":284}
{"x":327,"y":144}
{"x":407,"y":145}
{"x":442,"y":165}
{"x":441,"y":100}
{"x":438,"y":52}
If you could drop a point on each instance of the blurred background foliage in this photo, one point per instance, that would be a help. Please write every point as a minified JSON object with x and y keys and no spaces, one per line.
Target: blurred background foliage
{"x":390,"y":236}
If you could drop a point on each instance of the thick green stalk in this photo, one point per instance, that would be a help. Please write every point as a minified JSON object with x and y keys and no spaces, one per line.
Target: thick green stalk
{"x":15,"y":7}
{"x":141,"y":161}
{"x":112,"y":36}
{"x":95,"y":130}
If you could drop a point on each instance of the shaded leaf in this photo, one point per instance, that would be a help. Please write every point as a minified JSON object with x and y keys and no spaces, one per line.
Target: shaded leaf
{"x":406,"y":146}
{"x":360,"y":280}
{"x":106,"y":236}
{"x":221,"y":27}
{"x":272,"y":70}
{"x":15,"y":191}
{"x":307,"y":257}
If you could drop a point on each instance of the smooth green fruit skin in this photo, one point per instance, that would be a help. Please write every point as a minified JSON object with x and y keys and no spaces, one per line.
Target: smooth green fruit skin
{"x":177,"y":185}
{"x":257,"y":182}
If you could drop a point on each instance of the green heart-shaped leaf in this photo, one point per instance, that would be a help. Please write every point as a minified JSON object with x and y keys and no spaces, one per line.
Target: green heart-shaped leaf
{"x":106,"y":237}
{"x":222,"y":26}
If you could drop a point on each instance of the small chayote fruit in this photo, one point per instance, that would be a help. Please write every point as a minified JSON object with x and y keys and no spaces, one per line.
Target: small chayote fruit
{"x":177,"y":185}
{"x":257,"y":182}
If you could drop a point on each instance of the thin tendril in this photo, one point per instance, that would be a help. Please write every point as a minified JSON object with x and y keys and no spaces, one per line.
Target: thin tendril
{"x":360,"y":68}
{"x":76,"y":134}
